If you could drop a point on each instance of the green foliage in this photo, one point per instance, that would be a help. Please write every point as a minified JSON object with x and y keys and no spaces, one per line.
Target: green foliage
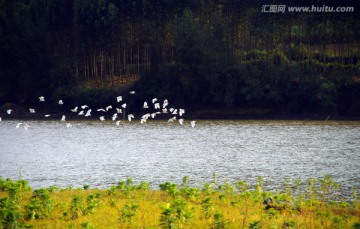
{"x":219,"y":221}
{"x":175,"y":215}
{"x":40,"y":205}
{"x":171,"y":189}
{"x":9,"y":212}
{"x":128,"y":212}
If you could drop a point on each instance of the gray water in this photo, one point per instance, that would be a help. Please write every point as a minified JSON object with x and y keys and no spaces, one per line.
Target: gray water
{"x":100,"y":153}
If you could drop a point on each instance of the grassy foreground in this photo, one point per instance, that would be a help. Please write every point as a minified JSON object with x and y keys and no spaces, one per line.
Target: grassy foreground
{"x":300,"y":204}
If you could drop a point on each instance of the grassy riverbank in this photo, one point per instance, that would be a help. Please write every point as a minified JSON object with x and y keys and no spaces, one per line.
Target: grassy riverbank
{"x":300,"y":204}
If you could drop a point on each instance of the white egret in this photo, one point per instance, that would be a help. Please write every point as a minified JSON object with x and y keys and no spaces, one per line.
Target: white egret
{"x":124,"y":105}
{"x":63,"y":118}
{"x":32,"y":110}
{"x":154,"y":100}
{"x":166,"y":103}
{"x":153,"y":115}
{"x":175,"y":112}
{"x":114,"y":117}
{"x":88,"y":113}
{"x":108,"y":107}
{"x":142,"y":121}
{"x":145,"y":116}
{"x":118,"y":123}
{"x":47,"y":115}
{"x":181,"y":111}
{"x":130,"y":116}
{"x":132,"y":92}
{"x":172,"y":119}
{"x":18,"y":125}
{"x":81,"y":113}
{"x":145,"y":106}
{"x":119,"y":110}
{"x":75,"y":109}
{"x":102,"y":118}
{"x":9,"y":111}
{"x":119,"y":98}
{"x":193,"y":123}
{"x":60,"y":102}
{"x":84,"y":107}
{"x":157,"y":105}
{"x":42,"y":99}
{"x":101,"y":109}
{"x":164,"y":110}
{"x":181,"y":121}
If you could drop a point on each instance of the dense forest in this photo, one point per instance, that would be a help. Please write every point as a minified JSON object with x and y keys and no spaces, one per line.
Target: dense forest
{"x":203,"y":54}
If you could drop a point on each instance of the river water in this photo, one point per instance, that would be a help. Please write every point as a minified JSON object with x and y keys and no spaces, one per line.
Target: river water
{"x":100,"y":153}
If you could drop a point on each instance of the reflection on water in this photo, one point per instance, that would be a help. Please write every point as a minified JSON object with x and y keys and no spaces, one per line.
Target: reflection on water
{"x":101,"y":153}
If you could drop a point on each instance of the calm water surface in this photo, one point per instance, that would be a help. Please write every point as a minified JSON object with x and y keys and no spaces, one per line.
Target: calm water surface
{"x":101,"y":154}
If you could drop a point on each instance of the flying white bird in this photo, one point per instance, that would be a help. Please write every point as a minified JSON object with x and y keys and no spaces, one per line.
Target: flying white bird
{"x":68,"y":125}
{"x":26,"y":126}
{"x":9,"y":111}
{"x":181,"y":111}
{"x":142,"y":121}
{"x":153,"y":115}
{"x":124,"y":105}
{"x":47,"y":115}
{"x":114,"y":117}
{"x":0,"y":119}
{"x":119,"y":98}
{"x":101,"y":109}
{"x":18,"y":125}
{"x":145,"y":106}
{"x":102,"y":118}
{"x":192,"y":123}
{"x":132,"y":92}
{"x":117,"y":123}
{"x":108,"y":107}
{"x":41,"y":99}
{"x":84,"y":107}
{"x":75,"y":109}
{"x":175,"y":112}
{"x":81,"y":113}
{"x":130,"y":116}
{"x":164,"y":110}
{"x":88,"y":113}
{"x":154,"y":100}
{"x":119,"y":110}
{"x":157,"y":105}
{"x":63,"y":118}
{"x":166,"y":103}
{"x":32,"y":110}
{"x":181,"y":121}
{"x":146,"y":116}
{"x":172,"y":119}
{"x":60,"y":102}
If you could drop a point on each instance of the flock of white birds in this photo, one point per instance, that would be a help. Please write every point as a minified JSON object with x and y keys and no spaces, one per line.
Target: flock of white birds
{"x":85,"y":110}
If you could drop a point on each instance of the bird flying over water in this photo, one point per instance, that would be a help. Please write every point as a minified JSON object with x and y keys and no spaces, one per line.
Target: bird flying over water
{"x":75,"y":109}
{"x":42,"y":99}
{"x":32,"y":110}
{"x":88,"y":113}
{"x":60,"y":102}
{"x":119,"y":98}
{"x":9,"y":111}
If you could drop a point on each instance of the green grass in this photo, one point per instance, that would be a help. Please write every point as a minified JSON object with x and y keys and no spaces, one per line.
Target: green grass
{"x":300,"y":204}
